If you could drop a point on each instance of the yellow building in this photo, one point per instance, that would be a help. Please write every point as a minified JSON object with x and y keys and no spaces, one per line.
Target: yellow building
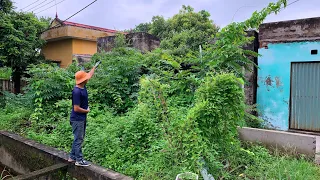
{"x":67,"y":40}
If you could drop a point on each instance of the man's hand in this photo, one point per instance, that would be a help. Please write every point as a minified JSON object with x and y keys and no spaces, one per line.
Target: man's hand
{"x":88,"y":109}
{"x":93,"y":69}
{"x":97,"y":64}
{"x":78,"y":109}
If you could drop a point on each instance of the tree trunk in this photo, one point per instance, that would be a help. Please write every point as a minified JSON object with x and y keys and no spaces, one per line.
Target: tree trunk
{"x":17,"y":81}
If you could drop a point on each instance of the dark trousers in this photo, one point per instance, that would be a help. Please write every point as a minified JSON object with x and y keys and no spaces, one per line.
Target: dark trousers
{"x":79,"y":131}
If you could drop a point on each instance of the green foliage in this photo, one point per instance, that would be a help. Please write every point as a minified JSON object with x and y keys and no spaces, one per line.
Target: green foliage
{"x":15,"y":115}
{"x":251,"y":117}
{"x":142,"y":27}
{"x":275,"y":165}
{"x":120,"y":40}
{"x":50,"y":83}
{"x":190,"y":29}
{"x":220,"y":104}
{"x":182,"y":33}
{"x":116,"y":80}
{"x":14,"y":101}
{"x":20,"y":41}
{"x":5,"y":72}
{"x":227,"y":53}
{"x":6,"y":6}
{"x":46,"y":20}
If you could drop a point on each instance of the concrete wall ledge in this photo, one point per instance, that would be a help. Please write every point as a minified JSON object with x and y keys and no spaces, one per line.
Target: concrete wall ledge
{"x":42,"y":153}
{"x":282,"y":140}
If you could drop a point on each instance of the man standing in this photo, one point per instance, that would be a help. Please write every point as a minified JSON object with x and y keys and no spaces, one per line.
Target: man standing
{"x":78,"y":117}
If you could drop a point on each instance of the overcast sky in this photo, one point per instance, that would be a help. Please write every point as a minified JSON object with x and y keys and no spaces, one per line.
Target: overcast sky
{"x":125,"y":14}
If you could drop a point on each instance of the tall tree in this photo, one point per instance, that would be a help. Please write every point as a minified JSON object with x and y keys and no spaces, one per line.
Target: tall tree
{"x":6,"y":6}
{"x":20,"y":41}
{"x":184,"y":31}
{"x":142,"y":27}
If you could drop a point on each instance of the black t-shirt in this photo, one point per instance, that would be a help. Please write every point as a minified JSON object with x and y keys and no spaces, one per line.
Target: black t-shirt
{"x":79,"y":97}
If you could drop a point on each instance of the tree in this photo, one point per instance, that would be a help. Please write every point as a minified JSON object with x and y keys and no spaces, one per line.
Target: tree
{"x":183,"y":32}
{"x":20,"y":42}
{"x":142,"y":27}
{"x":46,"y":20}
{"x":6,"y":6}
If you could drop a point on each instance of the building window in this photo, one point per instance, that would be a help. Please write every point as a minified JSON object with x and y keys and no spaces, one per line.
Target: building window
{"x":314,"y":52}
{"x":57,"y":63}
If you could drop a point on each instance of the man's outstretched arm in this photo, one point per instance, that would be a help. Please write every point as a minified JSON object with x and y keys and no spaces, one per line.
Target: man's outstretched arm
{"x":93,"y":69}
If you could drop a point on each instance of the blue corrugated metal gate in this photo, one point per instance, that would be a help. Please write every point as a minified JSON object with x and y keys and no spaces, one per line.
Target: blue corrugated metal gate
{"x":305,"y":96}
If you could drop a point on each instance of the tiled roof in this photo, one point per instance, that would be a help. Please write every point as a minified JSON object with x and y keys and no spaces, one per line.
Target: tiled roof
{"x":88,"y":27}
{"x":68,"y":23}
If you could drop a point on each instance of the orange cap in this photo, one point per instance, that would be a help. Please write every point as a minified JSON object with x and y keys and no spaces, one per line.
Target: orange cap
{"x":81,"y":76}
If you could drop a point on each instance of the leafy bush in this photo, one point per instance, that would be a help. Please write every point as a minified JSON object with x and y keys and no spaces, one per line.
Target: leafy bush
{"x":116,"y":83}
{"x":50,"y":83}
{"x":15,"y":115}
{"x":220,"y":108}
{"x":5,"y":72}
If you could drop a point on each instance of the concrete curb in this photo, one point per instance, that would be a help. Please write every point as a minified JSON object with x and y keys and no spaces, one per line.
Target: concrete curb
{"x":308,"y":145}
{"x":43,"y":153}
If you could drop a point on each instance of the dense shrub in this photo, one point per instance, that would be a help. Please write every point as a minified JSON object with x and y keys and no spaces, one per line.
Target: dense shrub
{"x":5,"y":72}
{"x":116,"y":83}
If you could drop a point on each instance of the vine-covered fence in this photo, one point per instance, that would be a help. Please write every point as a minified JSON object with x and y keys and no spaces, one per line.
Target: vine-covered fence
{"x":8,"y":85}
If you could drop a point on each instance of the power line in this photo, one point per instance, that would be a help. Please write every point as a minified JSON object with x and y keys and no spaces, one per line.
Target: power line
{"x":256,"y":6}
{"x":291,"y":3}
{"x":238,"y":10}
{"x":75,"y":13}
{"x":81,"y":10}
{"x":41,"y":6}
{"x":50,"y":6}
{"x":30,"y":4}
{"x":37,"y":5}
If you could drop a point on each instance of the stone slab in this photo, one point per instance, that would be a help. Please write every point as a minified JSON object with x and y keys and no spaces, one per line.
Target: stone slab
{"x":300,"y":143}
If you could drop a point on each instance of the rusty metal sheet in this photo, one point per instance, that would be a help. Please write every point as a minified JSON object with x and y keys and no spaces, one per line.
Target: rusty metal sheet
{"x":305,"y":96}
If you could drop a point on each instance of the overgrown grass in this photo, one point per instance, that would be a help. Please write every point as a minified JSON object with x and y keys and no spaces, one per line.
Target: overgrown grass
{"x":265,"y":164}
{"x":276,"y":164}
{"x":284,"y":167}
{"x":102,"y":146}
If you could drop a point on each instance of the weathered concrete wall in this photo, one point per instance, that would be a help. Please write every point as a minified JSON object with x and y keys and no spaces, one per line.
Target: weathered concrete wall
{"x":289,"y":31}
{"x":80,"y":46}
{"x":22,"y":159}
{"x":60,"y":51}
{"x":282,"y":43}
{"x":286,"y":141}
{"x":81,"y":58}
{"x":143,"y":41}
{"x":273,"y":92}
{"x":105,"y":43}
{"x":251,"y":74}
{"x":25,"y":155}
{"x":73,"y":32}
